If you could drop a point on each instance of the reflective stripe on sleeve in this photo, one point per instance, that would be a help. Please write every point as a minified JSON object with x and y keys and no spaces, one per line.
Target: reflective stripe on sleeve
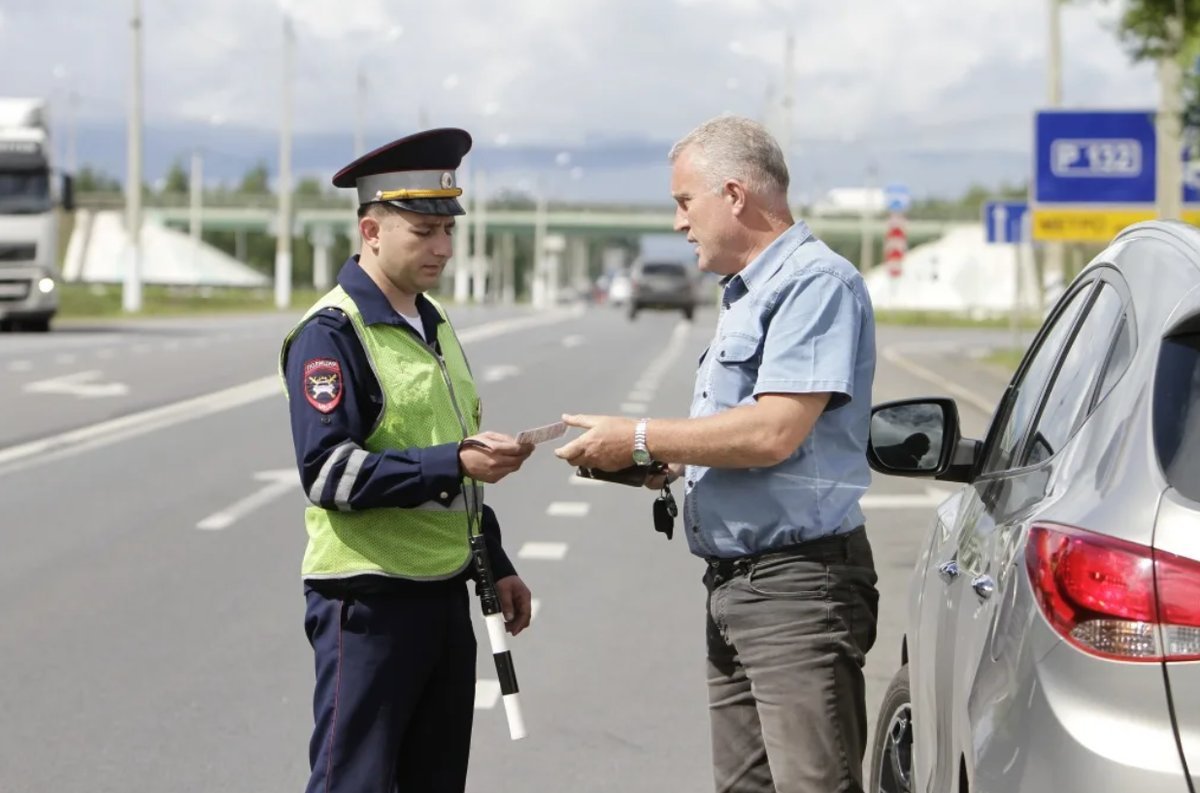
{"x":341,"y":498}
{"x":318,"y":486}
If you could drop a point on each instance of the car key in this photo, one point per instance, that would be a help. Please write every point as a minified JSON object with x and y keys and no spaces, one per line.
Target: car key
{"x":665,"y":511}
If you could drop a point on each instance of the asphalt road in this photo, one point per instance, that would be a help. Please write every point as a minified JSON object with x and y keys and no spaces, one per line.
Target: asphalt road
{"x":151,"y":637}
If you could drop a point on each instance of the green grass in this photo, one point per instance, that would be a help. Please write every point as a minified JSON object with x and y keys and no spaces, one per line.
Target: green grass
{"x":97,"y":301}
{"x":949,"y":319}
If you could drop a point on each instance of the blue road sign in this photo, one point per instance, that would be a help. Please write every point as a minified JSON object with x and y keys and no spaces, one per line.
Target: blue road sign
{"x":1005,"y":220}
{"x":1094,"y":157}
{"x":897,"y":197}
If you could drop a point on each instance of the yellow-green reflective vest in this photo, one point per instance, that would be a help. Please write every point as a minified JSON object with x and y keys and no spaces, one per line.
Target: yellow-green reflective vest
{"x":427,"y":401}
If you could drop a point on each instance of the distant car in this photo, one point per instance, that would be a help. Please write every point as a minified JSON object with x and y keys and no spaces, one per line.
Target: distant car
{"x":661,"y":284}
{"x":1053,"y":636}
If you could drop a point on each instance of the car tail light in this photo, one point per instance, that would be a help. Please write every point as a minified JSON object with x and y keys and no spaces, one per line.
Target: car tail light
{"x":1113,"y":598}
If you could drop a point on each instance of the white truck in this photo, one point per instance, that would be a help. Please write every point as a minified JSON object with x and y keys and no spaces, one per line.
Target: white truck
{"x":30,"y":194}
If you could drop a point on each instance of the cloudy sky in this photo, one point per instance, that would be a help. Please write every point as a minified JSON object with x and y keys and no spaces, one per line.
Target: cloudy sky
{"x":937,"y":92}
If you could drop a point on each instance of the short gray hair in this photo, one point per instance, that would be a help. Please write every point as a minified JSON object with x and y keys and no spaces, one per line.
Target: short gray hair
{"x":732,"y":147}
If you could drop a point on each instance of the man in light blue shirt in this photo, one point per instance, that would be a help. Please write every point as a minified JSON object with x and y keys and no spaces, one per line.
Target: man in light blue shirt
{"x":774,"y":462}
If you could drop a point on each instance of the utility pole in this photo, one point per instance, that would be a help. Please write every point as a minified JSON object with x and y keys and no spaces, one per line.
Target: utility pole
{"x":1169,"y":125}
{"x":788,"y":101}
{"x":131,"y":292}
{"x":360,"y":114}
{"x":283,"y":239}
{"x":195,"y":190}
{"x":867,"y":247}
{"x":1055,"y":252}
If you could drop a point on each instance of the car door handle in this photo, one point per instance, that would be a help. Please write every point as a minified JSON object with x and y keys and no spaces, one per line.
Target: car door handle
{"x":984,"y":586}
{"x":948,"y":570}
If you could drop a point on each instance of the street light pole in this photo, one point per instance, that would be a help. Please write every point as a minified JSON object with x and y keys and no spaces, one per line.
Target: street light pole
{"x":283,"y":238}
{"x":1055,"y":251}
{"x":131,"y":292}
{"x":360,"y":113}
{"x":1169,"y":125}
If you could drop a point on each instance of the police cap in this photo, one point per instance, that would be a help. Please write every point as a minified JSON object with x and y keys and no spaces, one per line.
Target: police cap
{"x":414,"y":173}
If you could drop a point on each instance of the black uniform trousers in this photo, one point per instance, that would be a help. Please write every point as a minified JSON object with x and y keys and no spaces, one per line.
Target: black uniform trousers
{"x":395,"y":688}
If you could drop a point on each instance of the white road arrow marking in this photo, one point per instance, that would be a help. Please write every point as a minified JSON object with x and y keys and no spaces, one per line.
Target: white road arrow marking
{"x":494,"y":374}
{"x":281,"y":481}
{"x":927,"y":500}
{"x":78,"y":385}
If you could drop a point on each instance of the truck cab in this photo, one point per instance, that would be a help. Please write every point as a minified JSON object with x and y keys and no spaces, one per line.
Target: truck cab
{"x":30,"y":197}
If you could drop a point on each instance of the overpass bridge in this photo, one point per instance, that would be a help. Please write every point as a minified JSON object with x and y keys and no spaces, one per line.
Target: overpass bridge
{"x":560,"y":234}
{"x":591,"y":222}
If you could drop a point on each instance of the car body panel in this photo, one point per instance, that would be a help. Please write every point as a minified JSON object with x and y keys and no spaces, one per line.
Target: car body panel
{"x":994,"y":686}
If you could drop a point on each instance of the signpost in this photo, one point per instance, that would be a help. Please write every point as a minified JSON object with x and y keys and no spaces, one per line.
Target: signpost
{"x":1094,"y":174}
{"x":895,"y":241}
{"x":1005,"y":220}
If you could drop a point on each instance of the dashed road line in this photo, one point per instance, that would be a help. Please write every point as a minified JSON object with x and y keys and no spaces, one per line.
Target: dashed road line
{"x":552,"y":551}
{"x":568,"y":509}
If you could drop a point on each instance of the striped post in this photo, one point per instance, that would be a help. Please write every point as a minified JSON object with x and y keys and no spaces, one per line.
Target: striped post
{"x":489,"y":599}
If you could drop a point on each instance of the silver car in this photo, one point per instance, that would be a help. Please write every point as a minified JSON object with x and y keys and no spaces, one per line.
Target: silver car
{"x":1054,"y":614}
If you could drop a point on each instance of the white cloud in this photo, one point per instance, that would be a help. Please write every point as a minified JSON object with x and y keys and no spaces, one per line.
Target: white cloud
{"x":885,"y":74}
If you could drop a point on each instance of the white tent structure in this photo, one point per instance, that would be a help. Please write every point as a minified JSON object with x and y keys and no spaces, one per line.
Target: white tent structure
{"x":99,"y":249}
{"x":961,"y":273}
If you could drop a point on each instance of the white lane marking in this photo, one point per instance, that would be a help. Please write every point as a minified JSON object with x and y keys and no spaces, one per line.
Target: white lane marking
{"x":633,"y":408}
{"x":65,"y":358}
{"x":79,"y":384}
{"x":280,"y":481}
{"x":494,"y":374}
{"x":502,"y":326}
{"x":640,"y":396}
{"x":568,"y":509}
{"x":894,"y":356}
{"x":20,"y":366}
{"x":572,"y":341}
{"x":584,"y":481}
{"x":487,"y":694}
{"x":67,"y":444}
{"x":930,"y":498}
{"x":543,"y":550}
{"x":73,"y":442}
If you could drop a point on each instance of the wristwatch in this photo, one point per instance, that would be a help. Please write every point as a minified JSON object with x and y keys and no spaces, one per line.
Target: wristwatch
{"x":641,"y":455}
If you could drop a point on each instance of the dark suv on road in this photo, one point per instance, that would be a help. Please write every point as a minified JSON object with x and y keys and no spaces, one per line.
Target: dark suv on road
{"x":663,"y":284}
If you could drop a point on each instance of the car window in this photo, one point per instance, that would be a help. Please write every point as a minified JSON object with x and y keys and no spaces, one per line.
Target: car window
{"x":1022,"y":397}
{"x":1118,"y":359}
{"x":655,"y":268}
{"x":1177,"y":414}
{"x":1069,"y":397}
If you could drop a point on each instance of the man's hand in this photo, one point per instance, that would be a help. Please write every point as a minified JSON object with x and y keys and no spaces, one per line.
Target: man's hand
{"x":516,"y":603}
{"x":674,"y":471}
{"x":607,"y":444}
{"x":491,"y":456}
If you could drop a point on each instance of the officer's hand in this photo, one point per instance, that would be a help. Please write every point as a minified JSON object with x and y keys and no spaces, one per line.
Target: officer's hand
{"x":491,"y":456}
{"x":516,"y":603}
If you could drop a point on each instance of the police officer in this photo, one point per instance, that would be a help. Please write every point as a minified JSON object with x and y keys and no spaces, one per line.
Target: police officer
{"x":385,"y":418}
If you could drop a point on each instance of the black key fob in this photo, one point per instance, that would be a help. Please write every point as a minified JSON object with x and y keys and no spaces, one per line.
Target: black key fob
{"x":665,"y":512}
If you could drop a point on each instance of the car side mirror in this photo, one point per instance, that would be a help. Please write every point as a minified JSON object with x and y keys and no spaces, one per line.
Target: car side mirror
{"x":917,"y":437}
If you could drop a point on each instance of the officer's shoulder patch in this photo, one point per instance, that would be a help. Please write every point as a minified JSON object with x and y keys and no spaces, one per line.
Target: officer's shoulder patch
{"x":323,"y":383}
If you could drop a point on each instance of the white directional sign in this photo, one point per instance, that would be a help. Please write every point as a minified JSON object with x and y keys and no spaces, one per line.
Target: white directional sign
{"x":80,"y":384}
{"x":279,"y":482}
